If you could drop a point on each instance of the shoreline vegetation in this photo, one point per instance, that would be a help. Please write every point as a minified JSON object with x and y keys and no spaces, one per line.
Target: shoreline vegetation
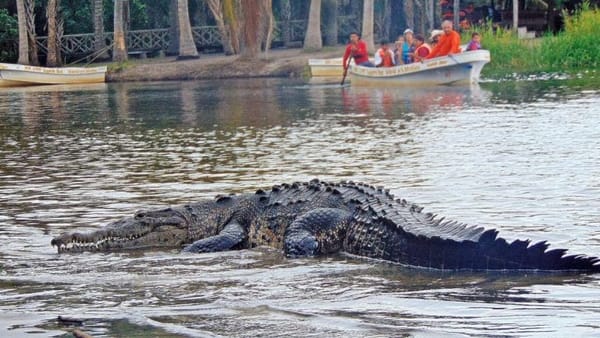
{"x":573,"y":51}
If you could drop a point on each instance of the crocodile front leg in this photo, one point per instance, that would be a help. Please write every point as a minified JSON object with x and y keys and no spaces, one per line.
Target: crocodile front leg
{"x":231,"y":236}
{"x":319,"y":231}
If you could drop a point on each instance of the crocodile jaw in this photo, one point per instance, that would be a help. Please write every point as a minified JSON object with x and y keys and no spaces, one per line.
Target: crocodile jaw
{"x":126,"y":234}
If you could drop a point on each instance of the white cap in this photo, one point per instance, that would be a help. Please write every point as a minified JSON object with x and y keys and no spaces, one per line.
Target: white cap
{"x":408,"y":30}
{"x":435,"y":33}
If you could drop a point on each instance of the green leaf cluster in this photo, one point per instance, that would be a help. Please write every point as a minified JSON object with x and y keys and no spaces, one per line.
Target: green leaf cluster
{"x":572,"y":50}
{"x":9,"y":34}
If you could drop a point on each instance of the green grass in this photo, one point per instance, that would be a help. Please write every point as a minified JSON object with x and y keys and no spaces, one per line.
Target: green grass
{"x":573,"y":50}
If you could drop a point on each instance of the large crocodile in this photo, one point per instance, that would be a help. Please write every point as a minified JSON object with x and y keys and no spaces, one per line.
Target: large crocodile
{"x":317,"y":218}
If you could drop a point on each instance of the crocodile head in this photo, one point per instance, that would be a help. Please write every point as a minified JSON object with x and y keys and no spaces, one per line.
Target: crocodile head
{"x":166,"y":228}
{"x":135,"y":232}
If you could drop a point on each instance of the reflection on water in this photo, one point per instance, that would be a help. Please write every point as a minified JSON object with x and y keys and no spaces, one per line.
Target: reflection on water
{"x":519,"y":156}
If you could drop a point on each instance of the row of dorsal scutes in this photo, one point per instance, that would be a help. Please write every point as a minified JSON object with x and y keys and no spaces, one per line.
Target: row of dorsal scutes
{"x":380,"y":205}
{"x":298,"y":192}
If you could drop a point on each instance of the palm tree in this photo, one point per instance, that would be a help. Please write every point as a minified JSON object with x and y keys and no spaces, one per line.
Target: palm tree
{"x":30,"y":19}
{"x":23,"y":39}
{"x":409,"y":13}
{"x":250,"y":32}
{"x":99,"y":42}
{"x":120,"y":44}
{"x":230,"y":15}
{"x":187,"y":47}
{"x":312,"y":40}
{"x":53,"y":57}
{"x":367,"y":26}
{"x":330,"y":14}
{"x":216,"y":8}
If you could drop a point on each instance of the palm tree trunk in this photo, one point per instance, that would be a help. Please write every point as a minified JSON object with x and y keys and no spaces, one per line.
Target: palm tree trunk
{"x":216,"y":8}
{"x":99,"y":41}
{"x":53,"y":56}
{"x":231,"y":20}
{"x":312,"y":40}
{"x":23,"y":40}
{"x":267,"y":24}
{"x":409,"y":12}
{"x":30,"y":18}
{"x":120,"y":32}
{"x":187,"y":47}
{"x":173,"y":48}
{"x":250,"y":28}
{"x":367,"y":27}
{"x":456,"y":10}
{"x":330,"y":14}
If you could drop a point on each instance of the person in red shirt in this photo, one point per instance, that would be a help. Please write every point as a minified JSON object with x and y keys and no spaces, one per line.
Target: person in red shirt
{"x":449,"y":42}
{"x":357,"y":49}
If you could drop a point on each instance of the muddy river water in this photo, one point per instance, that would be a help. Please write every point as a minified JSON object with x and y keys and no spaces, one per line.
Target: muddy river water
{"x":520,"y":156}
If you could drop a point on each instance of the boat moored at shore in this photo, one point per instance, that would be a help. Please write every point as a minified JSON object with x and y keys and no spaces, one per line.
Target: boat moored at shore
{"x":12,"y":75}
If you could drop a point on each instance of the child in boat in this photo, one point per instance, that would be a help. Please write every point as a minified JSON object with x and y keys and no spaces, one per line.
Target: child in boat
{"x":475,"y":43}
{"x":421,"y":48}
{"x":384,"y":57}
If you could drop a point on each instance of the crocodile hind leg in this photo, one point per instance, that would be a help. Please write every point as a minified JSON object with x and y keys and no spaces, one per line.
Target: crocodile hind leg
{"x":229,"y":238}
{"x":319,"y":231}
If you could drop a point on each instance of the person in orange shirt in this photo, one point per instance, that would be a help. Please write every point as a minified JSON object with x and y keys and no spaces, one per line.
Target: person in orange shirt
{"x":384,"y":57}
{"x":449,"y":42}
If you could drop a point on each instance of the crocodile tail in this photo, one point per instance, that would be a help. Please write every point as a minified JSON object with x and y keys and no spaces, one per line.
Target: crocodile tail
{"x":493,"y":253}
{"x":380,"y":238}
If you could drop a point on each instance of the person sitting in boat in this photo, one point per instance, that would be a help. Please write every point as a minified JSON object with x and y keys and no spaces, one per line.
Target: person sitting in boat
{"x":398,"y":50}
{"x":449,"y":42}
{"x":357,"y":49}
{"x":421,"y":48}
{"x":434,"y":38}
{"x":384,"y":57}
{"x":475,"y":43}
{"x":407,"y":47}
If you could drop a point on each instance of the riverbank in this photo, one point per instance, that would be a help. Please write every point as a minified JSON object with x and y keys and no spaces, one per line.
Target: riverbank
{"x":275,"y":63}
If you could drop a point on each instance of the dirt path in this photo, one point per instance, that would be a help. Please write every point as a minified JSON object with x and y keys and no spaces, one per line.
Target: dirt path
{"x":276,"y":63}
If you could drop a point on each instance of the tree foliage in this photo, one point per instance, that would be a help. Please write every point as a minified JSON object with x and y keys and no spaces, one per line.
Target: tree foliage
{"x":9,"y":34}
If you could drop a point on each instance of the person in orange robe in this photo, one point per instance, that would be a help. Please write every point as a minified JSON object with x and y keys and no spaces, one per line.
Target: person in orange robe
{"x":449,"y":42}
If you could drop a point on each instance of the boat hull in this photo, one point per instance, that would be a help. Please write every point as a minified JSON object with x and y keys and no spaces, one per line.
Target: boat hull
{"x":12,"y":75}
{"x":326,"y":67}
{"x":463,"y":68}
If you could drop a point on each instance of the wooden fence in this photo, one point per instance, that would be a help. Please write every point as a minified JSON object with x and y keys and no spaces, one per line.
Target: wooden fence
{"x":207,"y":38}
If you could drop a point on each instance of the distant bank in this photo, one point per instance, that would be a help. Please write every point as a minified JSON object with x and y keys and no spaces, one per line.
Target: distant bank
{"x":275,"y":63}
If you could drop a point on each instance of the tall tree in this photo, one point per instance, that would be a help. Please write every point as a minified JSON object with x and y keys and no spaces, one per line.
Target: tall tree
{"x":99,"y":42}
{"x":30,"y":18}
{"x":216,"y":8}
{"x":250,"y":28}
{"x":187,"y":47}
{"x":330,"y":26}
{"x":121,"y":18}
{"x":173,"y":29}
{"x":256,"y":28}
{"x":409,"y":13}
{"x":53,"y":57}
{"x":231,"y":20}
{"x":367,"y":24}
{"x":383,"y":19}
{"x":23,"y":38}
{"x":312,"y":39}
